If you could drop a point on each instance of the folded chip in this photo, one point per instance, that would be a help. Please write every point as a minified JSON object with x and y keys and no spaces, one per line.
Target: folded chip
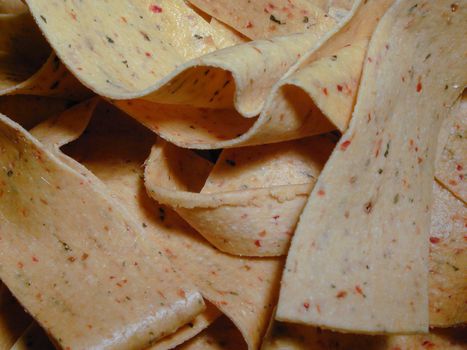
{"x":366,"y":224}
{"x":249,"y":202}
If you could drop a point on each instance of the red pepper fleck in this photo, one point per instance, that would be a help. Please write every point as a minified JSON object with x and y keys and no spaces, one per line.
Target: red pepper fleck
{"x":262,"y":233}
{"x":148,"y":54}
{"x":321,"y":193}
{"x":434,"y":240}
{"x":419,"y":85}
{"x":306,"y":305}
{"x":341,"y":294}
{"x":89,"y":326}
{"x":155,"y":9}
{"x":454,"y":7}
{"x":318,"y":308}
{"x":370,"y":60}
{"x":325,"y":91}
{"x":249,"y":25}
{"x":71,"y":259}
{"x":453,"y":182}
{"x":275,"y":217}
{"x":181,"y":293}
{"x":258,"y":243}
{"x":345,"y":144}
{"x":20,"y":264}
{"x":84,"y":256}
{"x":73,"y":15}
{"x":359,"y":290}
{"x":339,"y":88}
{"x":459,"y":167}
{"x":34,"y":259}
{"x":124,"y":19}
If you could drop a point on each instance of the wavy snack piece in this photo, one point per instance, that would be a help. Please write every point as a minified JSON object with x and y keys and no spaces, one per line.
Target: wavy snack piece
{"x":114,"y":148}
{"x":27,"y":65}
{"x":452,"y":160}
{"x":324,"y":80}
{"x":266,"y":18}
{"x":239,"y":76}
{"x":12,"y":6}
{"x":108,"y":268}
{"x":28,"y":110}
{"x":365,"y":226}
{"x":248,"y":203}
{"x":298,"y":337}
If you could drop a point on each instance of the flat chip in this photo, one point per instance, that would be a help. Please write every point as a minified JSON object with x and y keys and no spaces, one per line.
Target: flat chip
{"x":249,"y":202}
{"x":87,"y":276}
{"x":261,"y":19}
{"x":365,"y":226}
{"x":452,"y":160}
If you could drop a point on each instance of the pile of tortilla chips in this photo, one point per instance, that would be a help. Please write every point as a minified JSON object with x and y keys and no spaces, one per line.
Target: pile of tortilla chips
{"x":206,"y":175}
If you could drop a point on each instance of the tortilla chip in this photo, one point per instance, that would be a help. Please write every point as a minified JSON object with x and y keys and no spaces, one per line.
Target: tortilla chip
{"x":451,"y":169}
{"x":13,"y":319}
{"x":250,"y":201}
{"x":64,"y":298}
{"x":365,"y":226}
{"x":28,"y":111}
{"x":261,"y":19}
{"x":297,"y":337}
{"x":12,"y":6}
{"x":448,"y":260}
{"x":26,"y":64}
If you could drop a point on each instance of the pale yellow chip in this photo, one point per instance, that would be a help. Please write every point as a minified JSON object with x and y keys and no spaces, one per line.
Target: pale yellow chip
{"x":188,"y":72}
{"x":366,"y":224}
